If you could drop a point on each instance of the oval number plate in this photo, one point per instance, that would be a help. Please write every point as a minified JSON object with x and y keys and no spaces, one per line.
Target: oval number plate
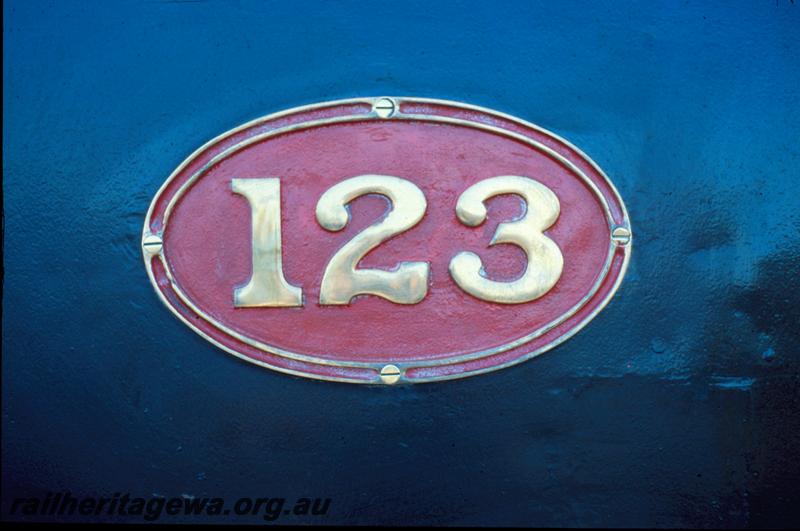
{"x":386,"y":240}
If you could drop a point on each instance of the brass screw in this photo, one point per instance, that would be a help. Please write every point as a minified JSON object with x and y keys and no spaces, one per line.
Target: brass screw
{"x":152,"y":244}
{"x":384,"y":107}
{"x":390,"y":374}
{"x":621,"y":236}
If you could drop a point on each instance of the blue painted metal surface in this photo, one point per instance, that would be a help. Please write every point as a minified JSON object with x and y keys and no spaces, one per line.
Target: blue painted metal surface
{"x":678,"y":406}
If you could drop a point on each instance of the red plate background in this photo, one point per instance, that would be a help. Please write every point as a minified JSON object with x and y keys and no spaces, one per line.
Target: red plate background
{"x":206,"y":241}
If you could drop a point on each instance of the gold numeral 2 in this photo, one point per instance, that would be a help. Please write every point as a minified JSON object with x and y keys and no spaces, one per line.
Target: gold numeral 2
{"x":408,"y":284}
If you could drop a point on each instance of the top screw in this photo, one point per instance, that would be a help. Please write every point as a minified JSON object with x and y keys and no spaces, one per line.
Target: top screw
{"x":384,"y":107}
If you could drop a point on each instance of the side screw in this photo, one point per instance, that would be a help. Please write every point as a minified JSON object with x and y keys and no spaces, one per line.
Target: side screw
{"x":621,"y":236}
{"x":152,"y":244}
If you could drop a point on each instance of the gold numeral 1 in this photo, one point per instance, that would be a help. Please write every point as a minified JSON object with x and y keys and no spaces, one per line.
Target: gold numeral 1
{"x":545,"y":261}
{"x":267,"y":285}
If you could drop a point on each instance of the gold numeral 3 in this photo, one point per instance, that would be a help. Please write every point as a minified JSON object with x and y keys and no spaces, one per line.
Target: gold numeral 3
{"x":545,"y":261}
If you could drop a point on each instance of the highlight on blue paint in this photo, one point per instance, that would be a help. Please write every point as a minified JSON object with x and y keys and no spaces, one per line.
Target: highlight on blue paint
{"x":736,"y":383}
